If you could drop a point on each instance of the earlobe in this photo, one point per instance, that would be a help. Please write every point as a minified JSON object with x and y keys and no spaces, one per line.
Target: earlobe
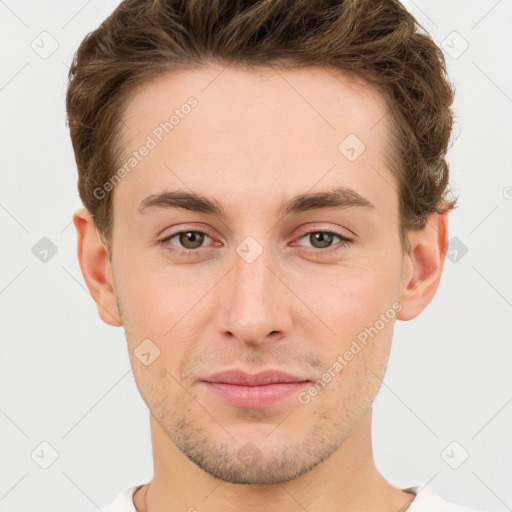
{"x":96,"y":267}
{"x":423,"y":266}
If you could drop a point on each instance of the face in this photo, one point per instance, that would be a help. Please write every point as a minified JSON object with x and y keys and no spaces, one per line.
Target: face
{"x":251,"y":276}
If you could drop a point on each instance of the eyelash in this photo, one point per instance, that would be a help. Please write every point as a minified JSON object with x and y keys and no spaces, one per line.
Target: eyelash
{"x":345,"y":241}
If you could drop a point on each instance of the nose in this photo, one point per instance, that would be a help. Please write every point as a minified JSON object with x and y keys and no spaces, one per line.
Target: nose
{"x":254,"y":303}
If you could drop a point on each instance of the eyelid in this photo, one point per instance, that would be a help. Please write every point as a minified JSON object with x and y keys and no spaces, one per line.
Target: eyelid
{"x":324,"y":230}
{"x":194,"y":226}
{"x":343,"y":232}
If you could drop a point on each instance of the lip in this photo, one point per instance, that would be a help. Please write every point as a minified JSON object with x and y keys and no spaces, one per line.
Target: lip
{"x":254,"y":391}
{"x":256,"y":379}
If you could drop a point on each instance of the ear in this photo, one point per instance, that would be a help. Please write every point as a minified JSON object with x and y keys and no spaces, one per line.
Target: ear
{"x":423,"y":265}
{"x":96,"y":267}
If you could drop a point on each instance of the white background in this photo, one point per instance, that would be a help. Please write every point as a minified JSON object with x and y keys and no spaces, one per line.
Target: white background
{"x":65,"y":376}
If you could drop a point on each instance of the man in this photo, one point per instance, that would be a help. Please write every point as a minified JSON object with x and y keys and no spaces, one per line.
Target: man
{"x":265,"y":190}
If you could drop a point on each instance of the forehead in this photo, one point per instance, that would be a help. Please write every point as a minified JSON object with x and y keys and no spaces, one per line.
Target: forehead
{"x":232,"y":98}
{"x":252,"y":129}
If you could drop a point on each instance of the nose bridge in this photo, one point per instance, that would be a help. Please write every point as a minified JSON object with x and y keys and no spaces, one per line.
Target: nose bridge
{"x":253,"y":304}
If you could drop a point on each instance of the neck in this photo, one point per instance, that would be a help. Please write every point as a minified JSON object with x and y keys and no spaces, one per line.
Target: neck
{"x":347,"y":480}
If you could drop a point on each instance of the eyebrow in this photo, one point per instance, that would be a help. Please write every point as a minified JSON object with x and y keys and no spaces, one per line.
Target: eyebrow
{"x":339,"y":197}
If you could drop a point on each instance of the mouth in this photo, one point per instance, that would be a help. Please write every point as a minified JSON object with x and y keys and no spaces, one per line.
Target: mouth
{"x":254,"y":391}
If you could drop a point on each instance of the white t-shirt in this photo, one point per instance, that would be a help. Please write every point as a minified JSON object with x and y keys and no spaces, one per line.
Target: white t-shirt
{"x":425,"y":501}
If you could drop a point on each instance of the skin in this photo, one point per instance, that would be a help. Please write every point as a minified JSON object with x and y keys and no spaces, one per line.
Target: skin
{"x":252,"y":143}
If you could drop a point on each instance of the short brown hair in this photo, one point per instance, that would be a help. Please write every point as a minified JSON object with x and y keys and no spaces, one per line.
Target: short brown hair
{"x":378,"y":41}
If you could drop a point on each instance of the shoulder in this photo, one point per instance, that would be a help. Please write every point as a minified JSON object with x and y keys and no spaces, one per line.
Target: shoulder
{"x":124,"y":501}
{"x":428,"y":501}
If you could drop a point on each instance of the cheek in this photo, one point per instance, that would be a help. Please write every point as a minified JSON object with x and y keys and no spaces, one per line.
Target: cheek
{"x":152,"y":299}
{"x":354,"y":299}
{"x":159,"y":388}
{"x":359,"y":304}
{"x":353,"y":373}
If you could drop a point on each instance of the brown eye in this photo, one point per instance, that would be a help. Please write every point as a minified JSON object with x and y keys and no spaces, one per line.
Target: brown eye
{"x":186,"y":243}
{"x":321,"y":239}
{"x":191,"y":239}
{"x":324,"y":242}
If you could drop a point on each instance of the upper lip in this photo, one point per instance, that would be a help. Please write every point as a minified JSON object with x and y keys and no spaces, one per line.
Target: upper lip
{"x":256,"y":379}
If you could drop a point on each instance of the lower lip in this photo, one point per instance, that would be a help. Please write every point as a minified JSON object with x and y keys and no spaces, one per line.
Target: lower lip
{"x":255,"y":397}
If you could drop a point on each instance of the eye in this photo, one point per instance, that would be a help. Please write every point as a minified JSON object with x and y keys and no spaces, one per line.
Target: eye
{"x":187,"y":242}
{"x":324,"y":240}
